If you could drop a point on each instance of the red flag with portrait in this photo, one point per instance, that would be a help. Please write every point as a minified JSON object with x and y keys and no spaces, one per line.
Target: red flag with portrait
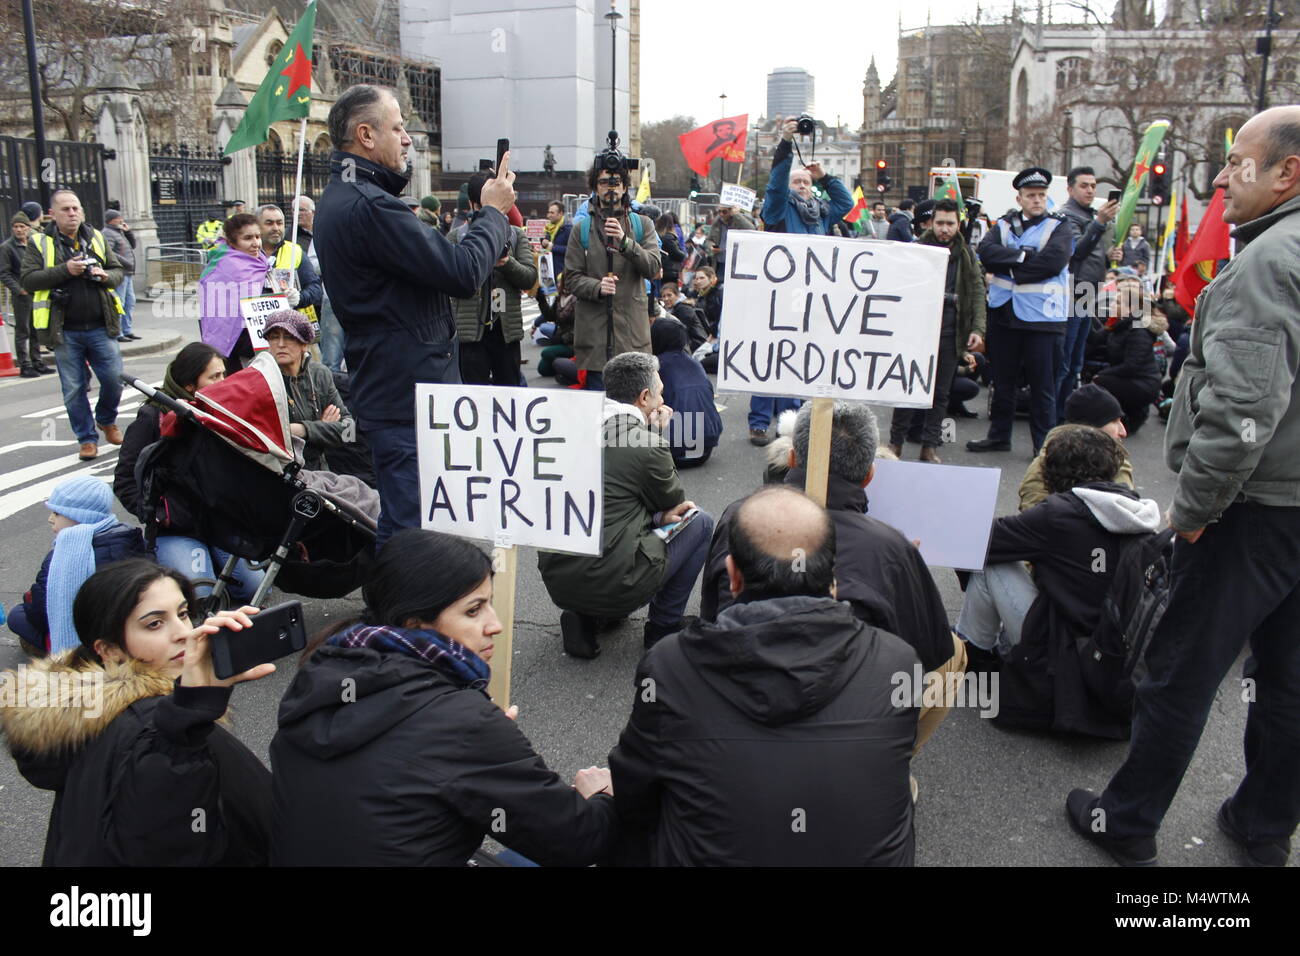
{"x":724,"y":137}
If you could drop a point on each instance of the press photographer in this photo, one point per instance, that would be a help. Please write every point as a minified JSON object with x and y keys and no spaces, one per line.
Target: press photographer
{"x":611,"y":253}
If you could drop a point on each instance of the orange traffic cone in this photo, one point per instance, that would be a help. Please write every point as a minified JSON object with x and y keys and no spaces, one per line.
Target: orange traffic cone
{"x":7,"y":367}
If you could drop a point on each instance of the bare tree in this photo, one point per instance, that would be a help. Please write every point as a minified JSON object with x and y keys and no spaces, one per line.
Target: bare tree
{"x":659,"y":142}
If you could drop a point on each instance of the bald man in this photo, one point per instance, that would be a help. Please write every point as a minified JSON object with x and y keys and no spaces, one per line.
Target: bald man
{"x":1234,"y":439}
{"x":770,"y":738}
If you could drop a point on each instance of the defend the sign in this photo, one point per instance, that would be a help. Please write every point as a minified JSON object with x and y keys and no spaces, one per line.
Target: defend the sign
{"x":256,"y":310}
{"x":511,"y":466}
{"x":816,"y":316}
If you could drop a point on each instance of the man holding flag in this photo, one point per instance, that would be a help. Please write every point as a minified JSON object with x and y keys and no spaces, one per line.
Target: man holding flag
{"x":1234,"y":439}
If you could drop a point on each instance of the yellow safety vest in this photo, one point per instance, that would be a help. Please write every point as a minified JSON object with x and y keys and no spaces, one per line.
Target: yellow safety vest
{"x":289,"y":256}
{"x":208,"y":232}
{"x":41,"y":299}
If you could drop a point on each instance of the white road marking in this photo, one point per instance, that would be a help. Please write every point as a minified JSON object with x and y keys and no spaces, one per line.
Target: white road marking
{"x":16,"y":501}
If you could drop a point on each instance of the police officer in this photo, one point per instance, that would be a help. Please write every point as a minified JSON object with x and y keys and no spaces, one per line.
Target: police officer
{"x":1028,"y":254}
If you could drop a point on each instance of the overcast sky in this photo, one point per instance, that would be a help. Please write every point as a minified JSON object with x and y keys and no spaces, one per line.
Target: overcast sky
{"x":693,"y":51}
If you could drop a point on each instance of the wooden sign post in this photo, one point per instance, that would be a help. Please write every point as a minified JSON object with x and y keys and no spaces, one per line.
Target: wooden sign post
{"x":505,"y":562}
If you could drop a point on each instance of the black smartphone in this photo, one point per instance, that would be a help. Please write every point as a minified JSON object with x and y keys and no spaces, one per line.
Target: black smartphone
{"x":276,"y":632}
{"x":1114,"y":195}
{"x":503,"y":145}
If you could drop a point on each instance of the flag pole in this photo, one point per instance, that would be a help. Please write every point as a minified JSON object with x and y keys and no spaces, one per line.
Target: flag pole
{"x":297,"y":179}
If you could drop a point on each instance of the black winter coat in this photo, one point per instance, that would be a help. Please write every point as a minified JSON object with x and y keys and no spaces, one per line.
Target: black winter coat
{"x":673,"y":257}
{"x":877,"y":570}
{"x":900,"y":228}
{"x":415,"y":772}
{"x":696,"y":424}
{"x":693,"y":320}
{"x":140,"y":434}
{"x":112,"y":544}
{"x":770,"y":739}
{"x":388,"y":278}
{"x":1130,"y":354}
{"x":150,"y":780}
{"x":711,"y":303}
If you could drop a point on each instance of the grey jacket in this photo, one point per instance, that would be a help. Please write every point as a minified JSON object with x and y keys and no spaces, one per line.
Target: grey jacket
{"x":1088,"y":262}
{"x":1234,"y":429}
{"x":123,"y":246}
{"x":310,"y":392}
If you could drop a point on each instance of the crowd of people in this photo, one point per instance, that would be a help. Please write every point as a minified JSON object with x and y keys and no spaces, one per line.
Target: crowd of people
{"x":778,"y":704}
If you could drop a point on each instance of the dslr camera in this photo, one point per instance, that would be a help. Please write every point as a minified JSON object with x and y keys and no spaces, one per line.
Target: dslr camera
{"x":806,"y":125}
{"x":611,"y":159}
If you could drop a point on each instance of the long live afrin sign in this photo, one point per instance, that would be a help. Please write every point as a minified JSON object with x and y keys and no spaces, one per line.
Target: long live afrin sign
{"x":822,"y":317}
{"x":514,"y":466}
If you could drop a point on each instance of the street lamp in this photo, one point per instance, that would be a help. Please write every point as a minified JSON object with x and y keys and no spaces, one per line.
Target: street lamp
{"x":1069,"y":138}
{"x":613,"y":17}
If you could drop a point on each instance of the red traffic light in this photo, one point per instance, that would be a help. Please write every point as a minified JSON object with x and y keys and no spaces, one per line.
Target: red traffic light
{"x":881,"y":164}
{"x":1158,"y":169}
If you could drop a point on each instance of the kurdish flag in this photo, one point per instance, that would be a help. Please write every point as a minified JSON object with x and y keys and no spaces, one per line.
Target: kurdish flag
{"x":1146,"y":155}
{"x":859,"y":206}
{"x":947,"y":189}
{"x":286,"y":91}
{"x":1167,"y":243}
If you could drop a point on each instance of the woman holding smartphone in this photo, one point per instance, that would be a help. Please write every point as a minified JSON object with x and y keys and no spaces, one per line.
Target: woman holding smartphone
{"x":125,"y":730}
{"x":390,"y":752}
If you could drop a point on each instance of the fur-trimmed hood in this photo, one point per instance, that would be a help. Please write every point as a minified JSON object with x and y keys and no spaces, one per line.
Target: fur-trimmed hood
{"x":50,"y":706}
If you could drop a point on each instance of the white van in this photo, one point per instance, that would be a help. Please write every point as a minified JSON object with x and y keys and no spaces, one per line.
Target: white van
{"x":993,"y":188}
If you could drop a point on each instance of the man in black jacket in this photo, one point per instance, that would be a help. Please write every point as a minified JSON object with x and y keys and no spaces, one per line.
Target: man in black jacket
{"x":900,"y":223}
{"x":388,"y":280}
{"x":877,"y":571}
{"x":770,"y":738}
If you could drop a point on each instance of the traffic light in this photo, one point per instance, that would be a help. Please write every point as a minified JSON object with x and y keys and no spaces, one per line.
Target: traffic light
{"x":695,"y":185}
{"x":882,"y":175}
{"x":1160,"y":182}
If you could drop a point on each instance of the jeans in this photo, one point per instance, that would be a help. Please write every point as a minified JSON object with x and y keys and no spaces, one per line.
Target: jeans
{"x":126,"y":292}
{"x":1039,"y":353}
{"x":94,"y":346}
{"x":194,"y":559}
{"x":686,"y":556}
{"x":763,"y":408}
{"x":1239,"y":583}
{"x":397,"y":469}
{"x":1067,"y":375}
{"x":997,"y":600}
{"x":331,"y":336}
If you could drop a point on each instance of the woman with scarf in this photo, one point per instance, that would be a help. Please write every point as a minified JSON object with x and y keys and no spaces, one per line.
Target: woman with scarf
{"x":236,"y":269}
{"x":87,"y":535}
{"x":390,"y":752}
{"x":125,"y":730}
{"x":194,"y":367}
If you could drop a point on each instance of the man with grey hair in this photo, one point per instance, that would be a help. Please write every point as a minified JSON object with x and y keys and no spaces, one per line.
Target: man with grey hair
{"x":389,"y":279}
{"x":877,"y":570}
{"x":654,"y":540}
{"x":1234,"y":439}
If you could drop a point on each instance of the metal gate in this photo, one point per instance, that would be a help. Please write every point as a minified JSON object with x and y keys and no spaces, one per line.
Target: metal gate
{"x":275,"y":175}
{"x":75,"y":166}
{"x":186,"y":188}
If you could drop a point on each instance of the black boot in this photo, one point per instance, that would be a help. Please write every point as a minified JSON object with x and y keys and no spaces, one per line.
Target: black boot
{"x":654,"y":633}
{"x":579,"y":633}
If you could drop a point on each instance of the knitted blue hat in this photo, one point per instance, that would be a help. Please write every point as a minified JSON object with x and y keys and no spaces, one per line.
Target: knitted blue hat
{"x":84,"y":499}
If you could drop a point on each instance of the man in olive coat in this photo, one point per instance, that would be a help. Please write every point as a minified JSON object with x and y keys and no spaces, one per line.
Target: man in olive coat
{"x":592,"y":276}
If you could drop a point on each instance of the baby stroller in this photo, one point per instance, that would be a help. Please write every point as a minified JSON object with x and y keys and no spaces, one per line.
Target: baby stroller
{"x":227,"y":462}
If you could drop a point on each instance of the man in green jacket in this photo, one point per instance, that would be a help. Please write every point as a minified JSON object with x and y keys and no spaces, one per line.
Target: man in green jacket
{"x":490,"y":323}
{"x":1234,"y":440}
{"x":72,"y":272}
{"x":643,"y":498}
{"x":962,"y":328}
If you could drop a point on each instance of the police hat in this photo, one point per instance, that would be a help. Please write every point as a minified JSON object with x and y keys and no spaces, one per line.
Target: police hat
{"x":1033,"y":176}
{"x":924,"y":209}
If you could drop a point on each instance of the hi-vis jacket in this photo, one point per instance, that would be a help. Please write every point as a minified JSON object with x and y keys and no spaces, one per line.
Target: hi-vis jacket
{"x":44,"y":269}
{"x":1030,"y":262}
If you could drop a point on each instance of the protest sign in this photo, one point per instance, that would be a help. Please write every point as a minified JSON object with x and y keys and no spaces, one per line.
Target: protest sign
{"x":824,"y":317}
{"x":256,"y":310}
{"x":546,"y":273}
{"x":738,"y":196}
{"x":948,"y":508}
{"x":535,"y":231}
{"x":511,"y":465}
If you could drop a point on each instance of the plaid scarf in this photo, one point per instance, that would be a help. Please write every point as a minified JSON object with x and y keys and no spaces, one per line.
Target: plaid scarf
{"x":453,"y":660}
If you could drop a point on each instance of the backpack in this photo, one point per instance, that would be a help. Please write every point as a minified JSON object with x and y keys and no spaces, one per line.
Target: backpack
{"x":584,"y":228}
{"x":1111,"y":658}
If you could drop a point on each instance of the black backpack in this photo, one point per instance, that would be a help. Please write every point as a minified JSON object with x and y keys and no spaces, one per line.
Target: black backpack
{"x":1111,"y":658}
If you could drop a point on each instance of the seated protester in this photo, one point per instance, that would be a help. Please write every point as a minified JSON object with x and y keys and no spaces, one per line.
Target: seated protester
{"x":417,"y":768}
{"x":696,"y":425}
{"x":878,"y":571}
{"x":136,"y":753}
{"x":1074,"y":541}
{"x":1087,"y":405}
{"x":194,"y":367}
{"x":708,"y":298}
{"x":558,"y":343}
{"x":490,"y":323}
{"x":642,"y":494}
{"x":87,"y":535}
{"x":782,"y":706}
{"x":1131,"y":374}
{"x":316,"y":411}
{"x":673,"y":254}
{"x":236,"y":268}
{"x":691,"y":317}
